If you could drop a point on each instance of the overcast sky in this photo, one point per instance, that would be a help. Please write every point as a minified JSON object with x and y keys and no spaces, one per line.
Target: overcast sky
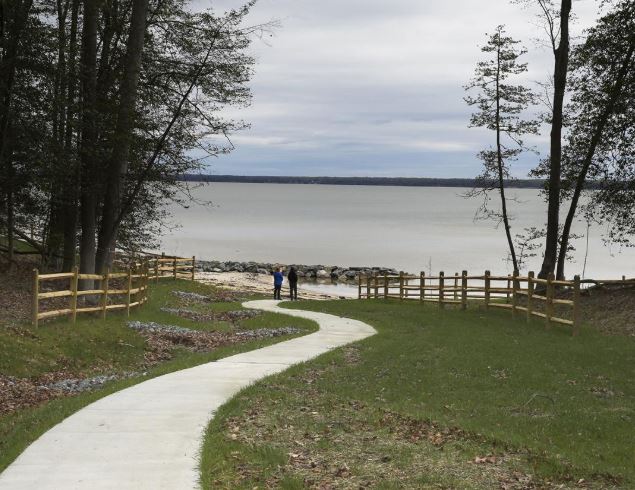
{"x":374,"y":87}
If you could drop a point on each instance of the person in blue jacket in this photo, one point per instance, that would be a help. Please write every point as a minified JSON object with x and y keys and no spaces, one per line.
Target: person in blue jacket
{"x":277,"y":283}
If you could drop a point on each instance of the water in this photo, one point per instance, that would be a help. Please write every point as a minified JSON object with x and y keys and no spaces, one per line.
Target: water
{"x":408,"y":228}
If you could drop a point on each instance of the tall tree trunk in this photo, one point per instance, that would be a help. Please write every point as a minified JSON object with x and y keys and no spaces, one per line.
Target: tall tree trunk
{"x":89,"y":177}
{"x":13,"y":22}
{"x":499,"y":161}
{"x":588,"y":158}
{"x":561,"y":64}
{"x":59,"y":173}
{"x":10,"y":204}
{"x":118,"y":166}
{"x":70,"y":209}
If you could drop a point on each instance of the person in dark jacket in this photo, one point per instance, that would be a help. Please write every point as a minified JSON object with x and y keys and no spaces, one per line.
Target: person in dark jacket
{"x":277,"y":283}
{"x":292,"y":277}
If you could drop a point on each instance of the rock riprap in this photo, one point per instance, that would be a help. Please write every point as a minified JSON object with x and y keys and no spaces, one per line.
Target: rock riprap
{"x":336,"y":273}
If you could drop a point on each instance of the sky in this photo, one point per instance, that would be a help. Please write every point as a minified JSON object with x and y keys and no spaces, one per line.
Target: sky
{"x":375,"y":87}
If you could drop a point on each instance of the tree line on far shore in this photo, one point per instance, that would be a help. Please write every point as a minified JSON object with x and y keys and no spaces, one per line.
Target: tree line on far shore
{"x":378,"y":181}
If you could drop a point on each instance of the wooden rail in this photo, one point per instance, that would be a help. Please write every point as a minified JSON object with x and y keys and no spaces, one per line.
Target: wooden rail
{"x":516,"y":293}
{"x":131,"y":289}
{"x":172,"y":267}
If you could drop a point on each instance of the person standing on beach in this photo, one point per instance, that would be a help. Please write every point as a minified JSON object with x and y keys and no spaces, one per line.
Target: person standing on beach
{"x":277,"y":283}
{"x":292,"y":277}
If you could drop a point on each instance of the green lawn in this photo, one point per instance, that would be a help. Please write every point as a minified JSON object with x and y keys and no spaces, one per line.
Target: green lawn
{"x":437,"y":399}
{"x":94,"y":346}
{"x":18,"y":245}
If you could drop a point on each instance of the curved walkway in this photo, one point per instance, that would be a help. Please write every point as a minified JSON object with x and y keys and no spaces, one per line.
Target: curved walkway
{"x":149,"y":435}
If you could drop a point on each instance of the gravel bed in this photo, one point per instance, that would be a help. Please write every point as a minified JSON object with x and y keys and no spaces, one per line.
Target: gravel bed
{"x":153,"y":327}
{"x":262,"y":333}
{"x":186,"y":295}
{"x":224,"y":316}
{"x":196,"y":316}
{"x":80,"y":385}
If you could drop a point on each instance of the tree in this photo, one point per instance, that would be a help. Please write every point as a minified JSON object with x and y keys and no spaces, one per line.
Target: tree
{"x":603,"y":115}
{"x":122,"y":137}
{"x":14,"y":17}
{"x":88,"y":143}
{"x":561,"y":63}
{"x":500,"y":106}
{"x":110,"y":103}
{"x":556,"y":20}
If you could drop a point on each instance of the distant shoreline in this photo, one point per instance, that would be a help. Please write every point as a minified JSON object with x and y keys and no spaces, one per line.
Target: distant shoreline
{"x":373,"y":181}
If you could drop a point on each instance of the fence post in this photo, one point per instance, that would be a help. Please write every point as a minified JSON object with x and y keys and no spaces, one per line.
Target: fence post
{"x":128,"y":293}
{"x":488,"y":283}
{"x":367,"y":277}
{"x":376,"y":284}
{"x":464,"y":290}
{"x":576,"y":306}
{"x":508,"y":288}
{"x":193,"y":265}
{"x":36,"y":299}
{"x":441,"y":286}
{"x":530,"y":294}
{"x":156,"y":270}
{"x":174,"y":268}
{"x":456,"y":286}
{"x":74,"y":287}
{"x":549,"y":305}
{"x":146,"y":282}
{"x":401,"y":285}
{"x":359,"y":286}
{"x":515,"y":294}
{"x":385,"y":286}
{"x":104,"y":294}
{"x":422,"y":284}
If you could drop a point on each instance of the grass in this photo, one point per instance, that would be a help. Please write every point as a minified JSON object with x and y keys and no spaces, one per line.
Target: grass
{"x":96,"y":346}
{"x":18,"y":244}
{"x":437,"y":399}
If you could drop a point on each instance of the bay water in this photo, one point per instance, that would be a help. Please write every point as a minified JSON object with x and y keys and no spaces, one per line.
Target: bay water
{"x":413,"y":229}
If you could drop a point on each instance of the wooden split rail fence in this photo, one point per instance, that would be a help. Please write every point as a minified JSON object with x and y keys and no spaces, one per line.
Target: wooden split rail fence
{"x":172,"y":267}
{"x":116,"y":290}
{"x":528,"y":295}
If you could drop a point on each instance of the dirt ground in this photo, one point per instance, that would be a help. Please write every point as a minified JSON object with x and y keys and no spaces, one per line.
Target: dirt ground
{"x":15,"y":291}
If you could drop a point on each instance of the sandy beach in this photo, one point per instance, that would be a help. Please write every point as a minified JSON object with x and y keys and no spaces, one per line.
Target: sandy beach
{"x":262,"y":284}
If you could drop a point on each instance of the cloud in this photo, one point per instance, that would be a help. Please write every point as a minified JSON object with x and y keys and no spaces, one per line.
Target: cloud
{"x":373,"y":87}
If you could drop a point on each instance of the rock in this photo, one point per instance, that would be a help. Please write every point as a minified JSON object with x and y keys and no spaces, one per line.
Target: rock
{"x":301,"y":273}
{"x":351,"y":274}
{"x":322,"y":274}
{"x":188,"y":296}
{"x":157,"y":327}
{"x":216,"y":269}
{"x":267,"y":332}
{"x":262,"y":271}
{"x":251,"y":267}
{"x":337,"y":272}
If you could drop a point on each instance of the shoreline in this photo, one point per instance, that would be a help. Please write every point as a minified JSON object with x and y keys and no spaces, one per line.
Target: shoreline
{"x":252,"y":282}
{"x":340,"y":274}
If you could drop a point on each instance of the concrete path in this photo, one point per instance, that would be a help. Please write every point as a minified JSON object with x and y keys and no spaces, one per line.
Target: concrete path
{"x":148,"y":436}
